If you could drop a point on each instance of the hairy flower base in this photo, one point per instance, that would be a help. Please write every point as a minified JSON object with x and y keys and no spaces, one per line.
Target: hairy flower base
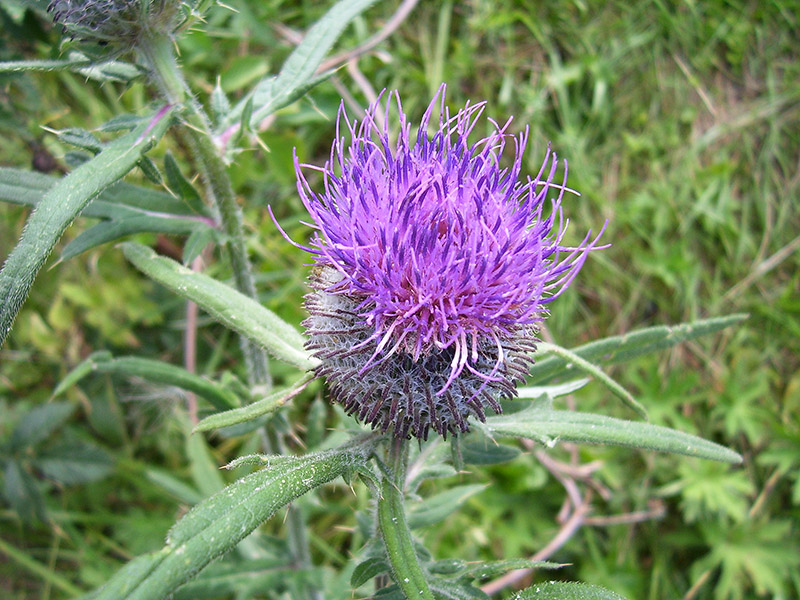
{"x":396,"y":391}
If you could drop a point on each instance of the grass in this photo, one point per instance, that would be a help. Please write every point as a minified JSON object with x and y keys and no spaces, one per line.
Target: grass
{"x":679,"y":123}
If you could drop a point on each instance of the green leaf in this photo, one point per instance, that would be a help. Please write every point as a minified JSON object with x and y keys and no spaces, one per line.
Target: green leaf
{"x":553,"y":590}
{"x":255,"y":410}
{"x":218,"y":523}
{"x":131,"y":209}
{"x":152,"y":370}
{"x":43,"y":65}
{"x":27,"y":188}
{"x":366,"y":570}
{"x":441,"y":505}
{"x":105,"y":71}
{"x":150,"y":170}
{"x":203,"y":466}
{"x":231,"y":308}
{"x":488,"y":452}
{"x":592,"y":369}
{"x":75,"y":463}
{"x":196,"y":243}
{"x":273,"y":92}
{"x":168,"y":482}
{"x":220,"y":105}
{"x":241,"y":579}
{"x":621,"y":348}
{"x":551,"y":391}
{"x":109,"y":231}
{"x":22,"y":494}
{"x":551,"y":426}
{"x":448,"y":589}
{"x":80,"y":138}
{"x":121,"y":122}
{"x":494,"y":568}
{"x":59,"y":207}
{"x":182,"y":186}
{"x":38,"y":423}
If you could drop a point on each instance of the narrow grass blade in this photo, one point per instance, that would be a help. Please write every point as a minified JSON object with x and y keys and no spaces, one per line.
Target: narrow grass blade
{"x":231,"y":308}
{"x":255,"y":410}
{"x":152,"y":370}
{"x":271,"y":93}
{"x":625,"y":347}
{"x":59,"y":207}
{"x":217,"y":524}
{"x":552,"y":426}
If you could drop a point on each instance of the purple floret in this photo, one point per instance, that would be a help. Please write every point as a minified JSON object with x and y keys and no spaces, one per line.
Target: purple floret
{"x":440,"y":252}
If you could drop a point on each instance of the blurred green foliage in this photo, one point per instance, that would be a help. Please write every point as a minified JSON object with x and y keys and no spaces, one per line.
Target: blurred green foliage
{"x":679,"y":124}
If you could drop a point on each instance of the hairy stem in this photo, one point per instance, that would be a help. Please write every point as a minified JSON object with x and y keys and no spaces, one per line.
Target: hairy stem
{"x":407,"y":571}
{"x":158,"y":53}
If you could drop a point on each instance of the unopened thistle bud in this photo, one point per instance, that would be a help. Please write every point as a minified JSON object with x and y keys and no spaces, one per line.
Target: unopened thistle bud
{"x":434,"y":264}
{"x":117,"y":23}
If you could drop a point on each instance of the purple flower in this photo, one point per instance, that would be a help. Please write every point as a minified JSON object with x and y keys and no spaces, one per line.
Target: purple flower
{"x":434,"y":264}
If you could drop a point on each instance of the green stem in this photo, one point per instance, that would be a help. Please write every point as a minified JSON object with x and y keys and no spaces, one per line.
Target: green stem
{"x":407,"y":571}
{"x":158,"y":53}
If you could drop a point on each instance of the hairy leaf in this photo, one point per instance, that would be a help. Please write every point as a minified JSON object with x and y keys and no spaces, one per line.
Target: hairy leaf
{"x":59,"y":207}
{"x":255,"y":410}
{"x":625,"y":347}
{"x":231,"y":308}
{"x":152,"y":370}
{"x":218,"y":523}
{"x":551,"y":426}
{"x":39,"y":422}
{"x":274,"y":92}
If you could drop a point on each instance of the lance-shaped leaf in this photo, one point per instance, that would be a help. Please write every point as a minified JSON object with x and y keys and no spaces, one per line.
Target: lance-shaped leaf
{"x":255,"y":410}
{"x":224,"y":304}
{"x":272,"y":93}
{"x":551,"y":426}
{"x":220,"y":522}
{"x":128,"y":208}
{"x":59,"y":207}
{"x":152,"y":370}
{"x":559,"y":590}
{"x":27,"y":188}
{"x":439,"y":506}
{"x":625,"y":347}
{"x":109,"y":231}
{"x":105,"y":71}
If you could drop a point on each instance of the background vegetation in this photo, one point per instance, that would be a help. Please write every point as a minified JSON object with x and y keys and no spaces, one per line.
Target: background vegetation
{"x":679,"y":121}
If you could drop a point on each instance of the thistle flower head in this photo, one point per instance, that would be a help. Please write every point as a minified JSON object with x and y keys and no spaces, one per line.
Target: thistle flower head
{"x":114,"y":22}
{"x":434,"y":265}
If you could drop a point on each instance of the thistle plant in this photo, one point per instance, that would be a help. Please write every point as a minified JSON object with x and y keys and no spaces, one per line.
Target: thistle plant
{"x":436,"y":258}
{"x":434,"y":266}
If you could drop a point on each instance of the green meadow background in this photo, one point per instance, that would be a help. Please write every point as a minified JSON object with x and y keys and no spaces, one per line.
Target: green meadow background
{"x":681,"y":125}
